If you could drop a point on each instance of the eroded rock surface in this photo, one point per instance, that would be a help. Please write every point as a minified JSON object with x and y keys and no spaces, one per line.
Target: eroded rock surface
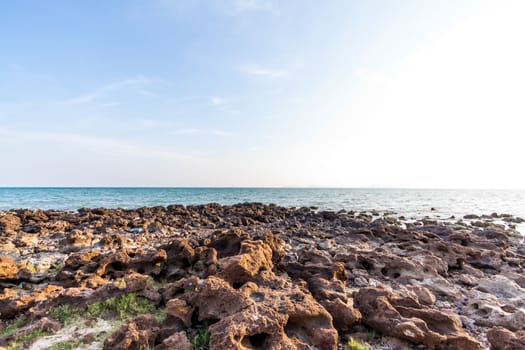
{"x":254,"y":276}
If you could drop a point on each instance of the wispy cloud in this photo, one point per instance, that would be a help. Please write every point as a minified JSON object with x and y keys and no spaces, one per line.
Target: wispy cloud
{"x":196,"y":131}
{"x":263,"y":72}
{"x":107,"y":89}
{"x":217,"y":101}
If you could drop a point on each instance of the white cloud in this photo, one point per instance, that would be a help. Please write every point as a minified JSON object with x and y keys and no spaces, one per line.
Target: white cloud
{"x":217,"y":101}
{"x":110,"y":146}
{"x":108,"y":89}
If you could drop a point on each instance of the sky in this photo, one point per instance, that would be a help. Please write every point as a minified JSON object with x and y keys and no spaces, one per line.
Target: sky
{"x":412,"y":93}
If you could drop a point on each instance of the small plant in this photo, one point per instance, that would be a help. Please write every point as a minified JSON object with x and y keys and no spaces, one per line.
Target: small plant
{"x":62,"y":313}
{"x":125,"y":306}
{"x":66,"y":345}
{"x":161,"y":316}
{"x":17,"y":323}
{"x":152,"y":283}
{"x":356,"y":345}
{"x":200,"y":339}
{"x":372,"y":335}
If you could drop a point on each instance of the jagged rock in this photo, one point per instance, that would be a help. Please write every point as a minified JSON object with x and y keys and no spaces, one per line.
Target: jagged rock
{"x":8,"y":268}
{"x":253,"y":257}
{"x":9,"y":222}
{"x":503,"y":339}
{"x":177,"y":341}
{"x":179,"y":309}
{"x":504,"y":289}
{"x":405,"y":318}
{"x":14,"y":302}
{"x":488,"y":312}
{"x":136,"y":334}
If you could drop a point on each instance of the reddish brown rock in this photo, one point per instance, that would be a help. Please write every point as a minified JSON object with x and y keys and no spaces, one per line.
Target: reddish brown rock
{"x":177,"y":341}
{"x":405,"y":318}
{"x":136,"y":334}
{"x":9,"y":222}
{"x":503,"y":339}
{"x":8,"y":268}
{"x":179,"y":309}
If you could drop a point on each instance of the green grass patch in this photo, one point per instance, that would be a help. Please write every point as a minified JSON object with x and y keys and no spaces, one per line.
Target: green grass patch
{"x":356,"y":345}
{"x":125,"y":306}
{"x":200,"y":339}
{"x":66,"y":345}
{"x":63,"y":313}
{"x":161,"y":316}
{"x":11,"y":328}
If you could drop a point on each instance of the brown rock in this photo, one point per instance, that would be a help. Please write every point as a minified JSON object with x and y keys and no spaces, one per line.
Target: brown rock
{"x":138,"y":333}
{"x":177,"y":341}
{"x":179,"y":309}
{"x":9,"y":222}
{"x":503,"y":339}
{"x":8,"y":268}
{"x":405,"y":318}
{"x":254,"y":256}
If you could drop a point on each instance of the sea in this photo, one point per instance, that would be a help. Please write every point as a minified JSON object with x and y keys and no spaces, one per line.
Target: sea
{"x":416,"y":203}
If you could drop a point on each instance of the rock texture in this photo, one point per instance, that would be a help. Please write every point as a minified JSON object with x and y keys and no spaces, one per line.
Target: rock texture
{"x":254,"y":276}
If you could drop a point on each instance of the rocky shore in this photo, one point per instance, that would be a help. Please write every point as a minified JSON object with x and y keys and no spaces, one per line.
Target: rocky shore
{"x":254,"y":276}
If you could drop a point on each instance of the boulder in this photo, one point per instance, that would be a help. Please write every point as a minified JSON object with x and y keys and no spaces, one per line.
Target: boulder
{"x":503,"y":339}
{"x":405,"y":318}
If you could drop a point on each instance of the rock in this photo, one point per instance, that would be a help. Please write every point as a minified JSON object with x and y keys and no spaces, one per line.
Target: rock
{"x":253,"y":257}
{"x":405,"y":318}
{"x":9,"y":222}
{"x":423,"y":295}
{"x":8,"y":268}
{"x":177,"y":341}
{"x":487,"y":312}
{"x":504,"y":289}
{"x":45,"y":324}
{"x":136,"y":334}
{"x":179,"y":309}
{"x":503,"y":339}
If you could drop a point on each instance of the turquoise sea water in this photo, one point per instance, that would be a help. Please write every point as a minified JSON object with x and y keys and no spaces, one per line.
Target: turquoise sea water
{"x":408,"y":202}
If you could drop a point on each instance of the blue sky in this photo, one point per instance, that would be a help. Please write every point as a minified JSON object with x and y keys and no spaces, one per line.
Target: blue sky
{"x":258,"y":93}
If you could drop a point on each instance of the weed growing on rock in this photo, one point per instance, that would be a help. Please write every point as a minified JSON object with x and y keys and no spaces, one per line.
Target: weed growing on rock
{"x":17,"y":323}
{"x":161,"y":316}
{"x":66,"y":345}
{"x":62,"y":313}
{"x":200,"y":340}
{"x":356,"y":345}
{"x":125,"y":306}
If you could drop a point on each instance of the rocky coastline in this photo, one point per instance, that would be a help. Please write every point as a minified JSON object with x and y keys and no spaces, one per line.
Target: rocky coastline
{"x":255,"y":276}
